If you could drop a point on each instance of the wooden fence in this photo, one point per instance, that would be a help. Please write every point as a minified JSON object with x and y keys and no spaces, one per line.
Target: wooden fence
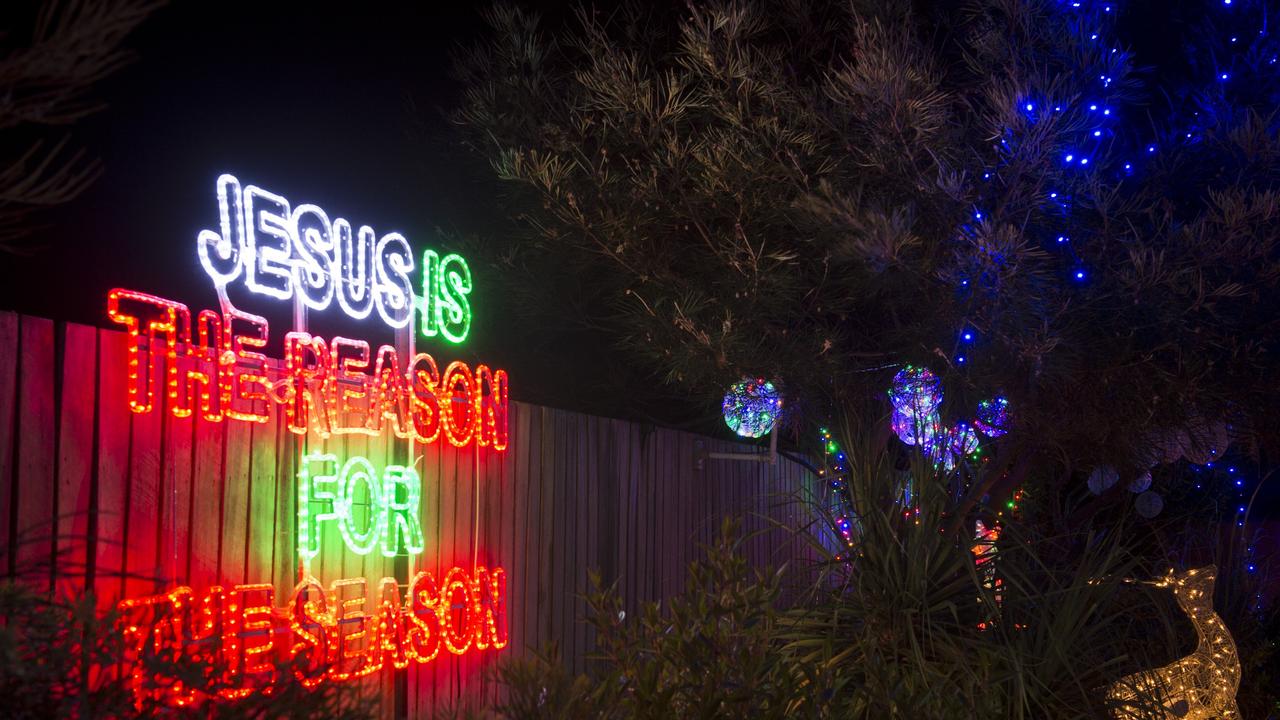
{"x":96,"y":496}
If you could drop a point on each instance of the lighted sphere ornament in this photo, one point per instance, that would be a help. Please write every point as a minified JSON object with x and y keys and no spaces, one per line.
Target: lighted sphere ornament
{"x":916,"y":390}
{"x":1102,"y":479}
{"x":751,"y":407}
{"x":1148,"y":504}
{"x":1140,"y":484}
{"x":913,"y":429}
{"x":992,"y":418}
{"x":964,"y":441}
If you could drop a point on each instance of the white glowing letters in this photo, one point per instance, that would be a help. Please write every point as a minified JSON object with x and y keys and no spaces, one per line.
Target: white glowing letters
{"x":286,"y":252}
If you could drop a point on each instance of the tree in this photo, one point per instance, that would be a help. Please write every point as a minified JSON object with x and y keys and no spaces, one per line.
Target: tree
{"x":819,"y":192}
{"x":46,"y":77}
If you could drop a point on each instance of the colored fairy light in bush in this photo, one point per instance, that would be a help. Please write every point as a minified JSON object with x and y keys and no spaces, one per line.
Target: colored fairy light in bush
{"x":752,"y":407}
{"x":842,"y":510}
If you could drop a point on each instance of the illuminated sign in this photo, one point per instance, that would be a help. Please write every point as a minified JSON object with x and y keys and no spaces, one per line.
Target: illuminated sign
{"x":293,"y":252}
{"x":324,"y":386}
{"x":214,"y":364}
{"x":243,"y":643}
{"x":392,"y":500}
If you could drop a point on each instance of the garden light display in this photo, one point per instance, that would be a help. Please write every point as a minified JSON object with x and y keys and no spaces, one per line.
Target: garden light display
{"x":916,"y":396}
{"x":1202,"y":685}
{"x":984,"y":559}
{"x":752,"y":407}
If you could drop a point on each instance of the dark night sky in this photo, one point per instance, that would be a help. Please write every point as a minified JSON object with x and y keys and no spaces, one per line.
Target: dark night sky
{"x":308,"y":104}
{"x":343,"y":110}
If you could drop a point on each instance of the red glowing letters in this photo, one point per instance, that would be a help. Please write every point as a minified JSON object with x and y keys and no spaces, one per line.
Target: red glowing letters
{"x":333,"y":387}
{"x":238,"y":642}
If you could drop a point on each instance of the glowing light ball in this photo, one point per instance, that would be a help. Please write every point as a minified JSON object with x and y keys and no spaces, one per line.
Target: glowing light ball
{"x":751,"y":407}
{"x":1140,"y":484}
{"x":992,"y":418}
{"x":913,"y":429}
{"x":916,"y":390}
{"x":964,"y":441}
{"x":1102,"y":479}
{"x":1148,"y":504}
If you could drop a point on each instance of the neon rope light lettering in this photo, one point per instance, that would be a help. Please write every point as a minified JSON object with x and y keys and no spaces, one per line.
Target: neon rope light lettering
{"x":282,"y":252}
{"x":333,"y":387}
{"x":392,"y":498}
{"x":245,"y":644}
{"x":446,"y":283}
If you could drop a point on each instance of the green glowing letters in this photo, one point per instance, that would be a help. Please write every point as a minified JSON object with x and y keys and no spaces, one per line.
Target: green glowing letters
{"x":446,"y":282}
{"x":389,"y":505}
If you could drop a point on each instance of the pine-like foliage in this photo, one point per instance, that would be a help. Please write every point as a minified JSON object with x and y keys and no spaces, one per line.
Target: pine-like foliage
{"x":48,"y":71}
{"x":817,"y":192}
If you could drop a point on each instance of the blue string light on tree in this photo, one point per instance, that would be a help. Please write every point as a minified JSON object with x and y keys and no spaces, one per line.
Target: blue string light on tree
{"x":752,"y":407}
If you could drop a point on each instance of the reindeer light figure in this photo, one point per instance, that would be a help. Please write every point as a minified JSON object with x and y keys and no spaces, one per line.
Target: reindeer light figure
{"x":1202,"y":685}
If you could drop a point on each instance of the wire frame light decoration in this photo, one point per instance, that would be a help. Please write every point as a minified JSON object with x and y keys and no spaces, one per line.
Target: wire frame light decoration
{"x":916,"y":396}
{"x":1201,"y":685}
{"x":992,"y":418}
{"x":752,"y":407}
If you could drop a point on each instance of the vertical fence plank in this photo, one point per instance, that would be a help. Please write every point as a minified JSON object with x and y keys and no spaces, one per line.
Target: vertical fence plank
{"x":9,"y":340}
{"x":175,"y":530}
{"x":518,"y":560}
{"x":262,"y":500}
{"x":207,"y":474}
{"x":284,"y":572}
{"x":574,"y":582}
{"x":235,"y":502}
{"x":446,"y":678}
{"x":539,"y":473}
{"x":552,"y":565}
{"x":142,"y":519}
{"x":113,"y":429}
{"x":75,"y":455}
{"x":35,"y":481}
